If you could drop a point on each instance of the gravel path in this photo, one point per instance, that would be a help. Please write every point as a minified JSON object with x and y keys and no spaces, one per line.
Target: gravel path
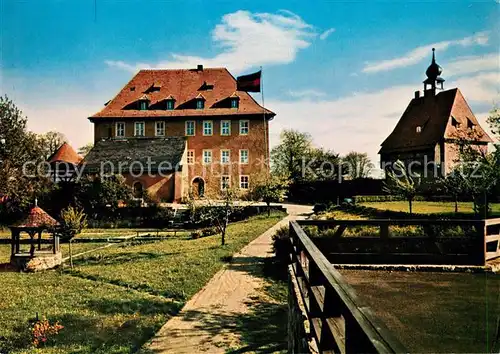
{"x":203,"y":325}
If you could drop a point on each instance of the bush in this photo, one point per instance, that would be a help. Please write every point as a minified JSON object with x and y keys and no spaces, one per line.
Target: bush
{"x":195,"y":235}
{"x":282,"y":245}
{"x":209,"y":231}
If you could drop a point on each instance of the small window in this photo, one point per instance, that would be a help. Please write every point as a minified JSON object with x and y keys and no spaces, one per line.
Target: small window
{"x":207,"y":157}
{"x":190,"y":127}
{"x":200,"y":104}
{"x":243,"y":157}
{"x":244,"y":127}
{"x":160,"y":129}
{"x":139,"y":129}
{"x":170,"y":105}
{"x":244,"y":182}
{"x":225,"y":156}
{"x":419,"y":129}
{"x":225,"y":182}
{"x":143,"y":105}
{"x":120,"y":130}
{"x":470,"y":124}
{"x":225,"y":127}
{"x":190,"y":157}
{"x":207,"y":127}
{"x":234,"y":103}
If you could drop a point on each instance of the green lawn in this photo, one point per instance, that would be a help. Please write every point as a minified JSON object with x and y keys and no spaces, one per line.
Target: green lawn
{"x":118,"y":297}
{"x":421,"y":207}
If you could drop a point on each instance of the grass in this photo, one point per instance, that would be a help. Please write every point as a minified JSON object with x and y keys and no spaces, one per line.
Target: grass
{"x":116,"y":298}
{"x":421,"y":207}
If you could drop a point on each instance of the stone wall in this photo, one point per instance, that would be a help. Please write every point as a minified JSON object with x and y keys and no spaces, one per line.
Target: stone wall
{"x":41,"y":261}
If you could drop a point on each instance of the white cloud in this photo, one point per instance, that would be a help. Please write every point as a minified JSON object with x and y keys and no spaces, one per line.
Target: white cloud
{"x":246,"y":40}
{"x":311,"y":93}
{"x":472,"y":64}
{"x":326,"y":33}
{"x":416,"y":55}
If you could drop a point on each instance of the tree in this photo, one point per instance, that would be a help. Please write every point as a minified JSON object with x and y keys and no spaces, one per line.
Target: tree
{"x":288,"y":157}
{"x":215,"y":210}
{"x":400,"y":182}
{"x":73,"y":221}
{"x":321,"y":164}
{"x":50,"y":142}
{"x":494,"y":121}
{"x":19,"y":158}
{"x":95,"y":195}
{"x":455,"y":185}
{"x":358,"y":164}
{"x":269,"y":191}
{"x":84,"y":150}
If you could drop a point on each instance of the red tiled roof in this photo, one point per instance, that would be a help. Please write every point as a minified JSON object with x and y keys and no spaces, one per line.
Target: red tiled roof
{"x":434,"y":115}
{"x":185,"y":85}
{"x":37,"y":218}
{"x":65,"y":154}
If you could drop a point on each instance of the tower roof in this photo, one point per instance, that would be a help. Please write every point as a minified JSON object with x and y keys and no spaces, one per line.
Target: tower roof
{"x":65,"y":154}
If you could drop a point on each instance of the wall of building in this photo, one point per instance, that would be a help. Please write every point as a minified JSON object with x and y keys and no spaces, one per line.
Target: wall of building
{"x":256,"y":142}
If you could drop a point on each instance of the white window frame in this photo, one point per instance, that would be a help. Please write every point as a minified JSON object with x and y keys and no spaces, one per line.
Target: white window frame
{"x":222,"y":182}
{"x":247,"y":128}
{"x":143,"y":128}
{"x":211,"y":156}
{"x":190,"y":159}
{"x":247,"y":159}
{"x":247,"y":182}
{"x":222,"y":127}
{"x":222,"y":156}
{"x":156,"y":128}
{"x":116,"y":129}
{"x":186,"y":127}
{"x":211,"y":127}
{"x":200,"y":104}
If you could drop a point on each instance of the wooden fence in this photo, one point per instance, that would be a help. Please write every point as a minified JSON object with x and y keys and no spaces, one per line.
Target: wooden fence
{"x":455,"y":242}
{"x":339,"y":321}
{"x":492,"y":239}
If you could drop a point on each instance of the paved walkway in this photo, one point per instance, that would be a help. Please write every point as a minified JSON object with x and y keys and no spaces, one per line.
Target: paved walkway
{"x":204,"y":323}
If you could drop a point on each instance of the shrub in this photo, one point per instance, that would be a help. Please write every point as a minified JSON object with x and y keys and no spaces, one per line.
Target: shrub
{"x":195,"y":235}
{"x":208,"y":231}
{"x":281,"y":245}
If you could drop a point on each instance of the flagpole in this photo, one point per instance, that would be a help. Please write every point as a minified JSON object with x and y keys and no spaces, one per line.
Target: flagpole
{"x":267,"y":158}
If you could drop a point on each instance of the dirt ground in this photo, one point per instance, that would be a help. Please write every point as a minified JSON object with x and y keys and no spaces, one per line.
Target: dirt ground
{"x":434,"y":312}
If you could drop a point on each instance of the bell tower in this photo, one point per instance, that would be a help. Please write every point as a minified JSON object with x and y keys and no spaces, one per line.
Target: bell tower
{"x":433,"y":78}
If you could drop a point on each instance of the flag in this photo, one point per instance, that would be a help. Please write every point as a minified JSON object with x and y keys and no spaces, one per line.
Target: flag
{"x":249,"y":83}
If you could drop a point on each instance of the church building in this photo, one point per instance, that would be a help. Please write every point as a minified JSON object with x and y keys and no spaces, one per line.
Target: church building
{"x":431,"y":126}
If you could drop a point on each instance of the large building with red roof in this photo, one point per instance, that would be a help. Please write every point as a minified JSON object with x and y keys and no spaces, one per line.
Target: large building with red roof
{"x":197,"y":132}
{"x":430,"y":128}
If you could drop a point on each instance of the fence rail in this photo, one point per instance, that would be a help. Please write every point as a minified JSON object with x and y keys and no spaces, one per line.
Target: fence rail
{"x":471,"y":242}
{"x":340,"y":321}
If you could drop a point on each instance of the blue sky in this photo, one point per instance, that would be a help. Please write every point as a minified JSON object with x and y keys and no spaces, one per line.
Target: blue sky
{"x":343,"y":71}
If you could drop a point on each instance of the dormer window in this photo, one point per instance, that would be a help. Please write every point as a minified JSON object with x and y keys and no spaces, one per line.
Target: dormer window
{"x":419,"y":129}
{"x":470,"y":124}
{"x":235,"y":100}
{"x":200,"y":104}
{"x":170,"y":105}
{"x":143,"y":102}
{"x":455,"y":122}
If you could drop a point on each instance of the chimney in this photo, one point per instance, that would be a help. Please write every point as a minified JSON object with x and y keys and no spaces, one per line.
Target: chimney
{"x":417,"y":94}
{"x":199,"y":67}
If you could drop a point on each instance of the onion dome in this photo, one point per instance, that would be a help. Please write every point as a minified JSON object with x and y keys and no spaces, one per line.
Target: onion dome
{"x":434,"y":70}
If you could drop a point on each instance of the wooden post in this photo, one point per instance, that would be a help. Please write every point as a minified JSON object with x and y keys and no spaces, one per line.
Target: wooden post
{"x":32,"y":242}
{"x":39,"y":240}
